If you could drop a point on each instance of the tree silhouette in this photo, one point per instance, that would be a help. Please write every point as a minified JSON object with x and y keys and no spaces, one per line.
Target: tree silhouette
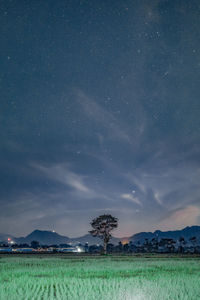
{"x":193,"y":240}
{"x":181,"y":243}
{"x":35,"y":244}
{"x":102,"y":226}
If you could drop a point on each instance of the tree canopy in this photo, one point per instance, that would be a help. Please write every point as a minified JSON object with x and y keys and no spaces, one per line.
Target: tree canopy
{"x":102,"y":227}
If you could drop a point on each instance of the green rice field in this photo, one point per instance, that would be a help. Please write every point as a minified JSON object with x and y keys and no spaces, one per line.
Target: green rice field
{"x":66,"y":277}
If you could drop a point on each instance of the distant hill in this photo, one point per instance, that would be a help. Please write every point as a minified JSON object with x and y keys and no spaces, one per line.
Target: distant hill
{"x":187,"y":233}
{"x":50,"y":237}
{"x":5,"y":237}
{"x":43,"y":237}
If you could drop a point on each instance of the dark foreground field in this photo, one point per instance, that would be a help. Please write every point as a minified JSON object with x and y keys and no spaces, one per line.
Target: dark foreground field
{"x":77,"y":277}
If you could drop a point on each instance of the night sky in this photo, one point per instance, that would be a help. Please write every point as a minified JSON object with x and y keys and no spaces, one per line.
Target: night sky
{"x":99,"y":113}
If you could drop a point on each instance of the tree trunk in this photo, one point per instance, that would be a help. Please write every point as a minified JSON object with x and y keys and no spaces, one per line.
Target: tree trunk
{"x":105,"y":247}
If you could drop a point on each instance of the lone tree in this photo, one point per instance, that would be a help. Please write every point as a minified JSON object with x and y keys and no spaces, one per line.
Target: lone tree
{"x":102,"y":226}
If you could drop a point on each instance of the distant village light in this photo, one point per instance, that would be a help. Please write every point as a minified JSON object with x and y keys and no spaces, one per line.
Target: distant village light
{"x":79,"y":249}
{"x":124,"y":242}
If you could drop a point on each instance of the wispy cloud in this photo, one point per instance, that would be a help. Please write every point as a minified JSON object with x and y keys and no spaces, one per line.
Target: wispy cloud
{"x":82,"y":186}
{"x":181,"y":217}
{"x":131,"y":198}
{"x":106,"y":119}
{"x":61,"y":173}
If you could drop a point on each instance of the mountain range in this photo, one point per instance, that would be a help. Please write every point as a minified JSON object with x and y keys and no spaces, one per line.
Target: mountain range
{"x":51,"y":237}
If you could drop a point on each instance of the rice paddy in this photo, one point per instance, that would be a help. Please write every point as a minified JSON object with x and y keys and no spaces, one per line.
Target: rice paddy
{"x":66,"y":277}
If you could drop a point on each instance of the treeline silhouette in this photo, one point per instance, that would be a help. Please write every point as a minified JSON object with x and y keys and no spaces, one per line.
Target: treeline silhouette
{"x":163,"y":245}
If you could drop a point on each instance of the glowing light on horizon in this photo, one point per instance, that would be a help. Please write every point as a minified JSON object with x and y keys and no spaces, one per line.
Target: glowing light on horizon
{"x":79,"y":250}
